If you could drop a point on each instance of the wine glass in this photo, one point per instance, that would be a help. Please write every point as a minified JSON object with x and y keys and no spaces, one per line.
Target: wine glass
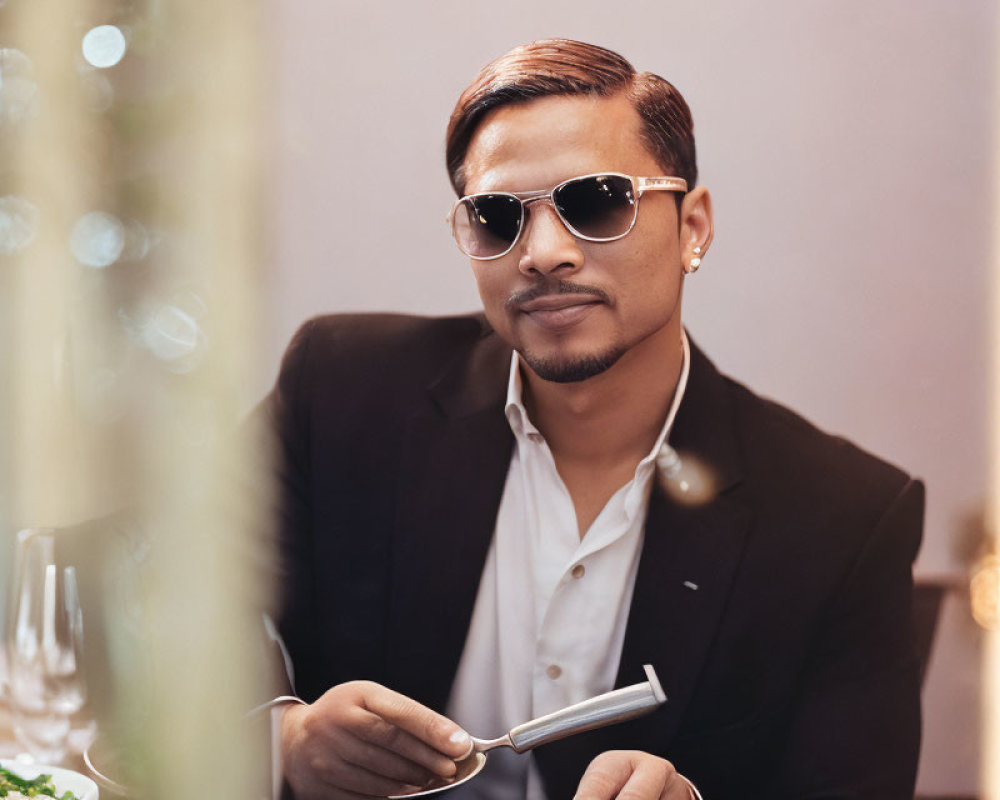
{"x":45,"y":649}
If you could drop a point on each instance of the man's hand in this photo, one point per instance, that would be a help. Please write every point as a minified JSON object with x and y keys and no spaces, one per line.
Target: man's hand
{"x":361,"y":739}
{"x":632,"y":775}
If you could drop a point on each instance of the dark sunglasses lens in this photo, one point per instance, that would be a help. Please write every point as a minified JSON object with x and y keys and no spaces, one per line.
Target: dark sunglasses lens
{"x":486,"y":225}
{"x":602,"y":207}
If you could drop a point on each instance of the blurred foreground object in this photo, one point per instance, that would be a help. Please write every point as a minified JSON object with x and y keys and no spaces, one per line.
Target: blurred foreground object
{"x":129,"y":244}
{"x":984,"y":594}
{"x":985,"y":580}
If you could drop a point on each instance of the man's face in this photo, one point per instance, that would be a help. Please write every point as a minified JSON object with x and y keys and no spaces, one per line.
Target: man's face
{"x":573,"y":308}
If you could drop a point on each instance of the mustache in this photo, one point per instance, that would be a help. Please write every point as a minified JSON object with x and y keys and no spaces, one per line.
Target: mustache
{"x":553,"y":287}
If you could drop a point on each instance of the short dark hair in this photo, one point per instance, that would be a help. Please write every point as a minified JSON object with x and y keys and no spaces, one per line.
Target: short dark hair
{"x":565,"y":67}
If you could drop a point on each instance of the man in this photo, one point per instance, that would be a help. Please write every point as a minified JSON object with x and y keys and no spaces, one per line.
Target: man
{"x":476,"y":529}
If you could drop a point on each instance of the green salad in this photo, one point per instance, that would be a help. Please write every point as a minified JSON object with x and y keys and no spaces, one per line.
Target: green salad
{"x":13,"y":786}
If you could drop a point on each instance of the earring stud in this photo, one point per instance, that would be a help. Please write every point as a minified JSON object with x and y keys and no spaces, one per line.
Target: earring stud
{"x":694,"y":263}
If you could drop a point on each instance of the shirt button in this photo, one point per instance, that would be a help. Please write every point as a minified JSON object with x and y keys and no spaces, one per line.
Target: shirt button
{"x":553,"y":671}
{"x":579,"y":571}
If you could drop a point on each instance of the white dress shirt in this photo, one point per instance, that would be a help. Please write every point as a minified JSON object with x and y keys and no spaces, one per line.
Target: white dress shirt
{"x":549,"y":620}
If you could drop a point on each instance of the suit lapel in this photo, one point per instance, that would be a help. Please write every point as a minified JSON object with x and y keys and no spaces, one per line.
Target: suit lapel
{"x":455,"y":458}
{"x":672,"y":625}
{"x":690,"y":558}
{"x":690,"y":553}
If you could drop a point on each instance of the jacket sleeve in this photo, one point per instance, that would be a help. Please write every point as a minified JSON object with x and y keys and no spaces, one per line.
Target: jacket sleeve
{"x":289,"y":420}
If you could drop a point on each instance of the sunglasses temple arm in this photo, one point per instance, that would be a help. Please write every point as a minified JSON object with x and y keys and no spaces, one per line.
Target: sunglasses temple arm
{"x":666,"y":184}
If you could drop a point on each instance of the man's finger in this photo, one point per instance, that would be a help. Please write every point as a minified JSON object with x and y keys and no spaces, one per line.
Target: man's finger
{"x":316,"y":787}
{"x":648,"y":781}
{"x":419,"y":721}
{"x":322,"y":791}
{"x":344,"y":776}
{"x":676,"y":787}
{"x":387,"y":735}
{"x":392,"y":764}
{"x":626,"y":775}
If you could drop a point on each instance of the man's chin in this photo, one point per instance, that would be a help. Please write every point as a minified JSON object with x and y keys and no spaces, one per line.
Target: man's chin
{"x":563,"y":369}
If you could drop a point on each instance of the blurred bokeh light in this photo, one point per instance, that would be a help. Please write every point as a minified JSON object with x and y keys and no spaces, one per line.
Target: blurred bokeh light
{"x":104,"y":46}
{"x":18,"y":89}
{"x":18,"y":224}
{"x":98,"y":239}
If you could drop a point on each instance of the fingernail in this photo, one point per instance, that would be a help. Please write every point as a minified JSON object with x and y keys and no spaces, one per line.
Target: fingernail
{"x":461,"y":737}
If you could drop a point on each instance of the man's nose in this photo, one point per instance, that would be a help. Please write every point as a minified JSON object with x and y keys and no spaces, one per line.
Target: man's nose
{"x":547,"y":246}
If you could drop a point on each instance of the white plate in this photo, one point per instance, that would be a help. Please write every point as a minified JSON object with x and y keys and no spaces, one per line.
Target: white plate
{"x":65,"y":779}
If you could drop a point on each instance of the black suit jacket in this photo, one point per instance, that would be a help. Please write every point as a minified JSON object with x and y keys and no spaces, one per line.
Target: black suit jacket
{"x":790,"y":671}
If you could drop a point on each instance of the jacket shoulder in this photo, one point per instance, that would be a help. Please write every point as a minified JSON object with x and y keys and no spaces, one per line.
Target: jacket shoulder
{"x":776,"y":435}
{"x":391,"y":339}
{"x":819,"y":494}
{"x":374,"y":349}
{"x":369,"y":366}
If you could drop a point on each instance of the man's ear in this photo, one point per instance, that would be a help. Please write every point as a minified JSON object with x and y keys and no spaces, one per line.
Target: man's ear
{"x":696,"y":224}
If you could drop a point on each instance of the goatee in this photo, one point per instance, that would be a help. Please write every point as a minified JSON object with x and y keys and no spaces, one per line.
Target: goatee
{"x":571,"y":370}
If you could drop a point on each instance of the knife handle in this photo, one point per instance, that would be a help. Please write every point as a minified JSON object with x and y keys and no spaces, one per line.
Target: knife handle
{"x":605,"y":709}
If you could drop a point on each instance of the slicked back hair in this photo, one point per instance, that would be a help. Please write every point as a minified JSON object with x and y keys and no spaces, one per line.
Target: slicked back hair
{"x":550,"y":67}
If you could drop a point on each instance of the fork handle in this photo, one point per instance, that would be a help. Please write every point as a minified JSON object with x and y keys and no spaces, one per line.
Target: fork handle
{"x":605,"y":709}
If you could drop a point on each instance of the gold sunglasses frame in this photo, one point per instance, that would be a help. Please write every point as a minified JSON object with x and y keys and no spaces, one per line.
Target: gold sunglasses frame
{"x":666,"y":183}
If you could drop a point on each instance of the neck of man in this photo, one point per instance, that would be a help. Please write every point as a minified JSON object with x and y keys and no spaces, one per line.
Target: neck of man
{"x":616,"y":416}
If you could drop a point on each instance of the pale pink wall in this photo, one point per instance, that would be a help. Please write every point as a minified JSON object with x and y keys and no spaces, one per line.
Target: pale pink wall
{"x":848,"y":147}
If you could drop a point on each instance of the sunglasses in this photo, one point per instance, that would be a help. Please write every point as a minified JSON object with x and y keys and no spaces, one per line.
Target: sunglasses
{"x":597,"y":208}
